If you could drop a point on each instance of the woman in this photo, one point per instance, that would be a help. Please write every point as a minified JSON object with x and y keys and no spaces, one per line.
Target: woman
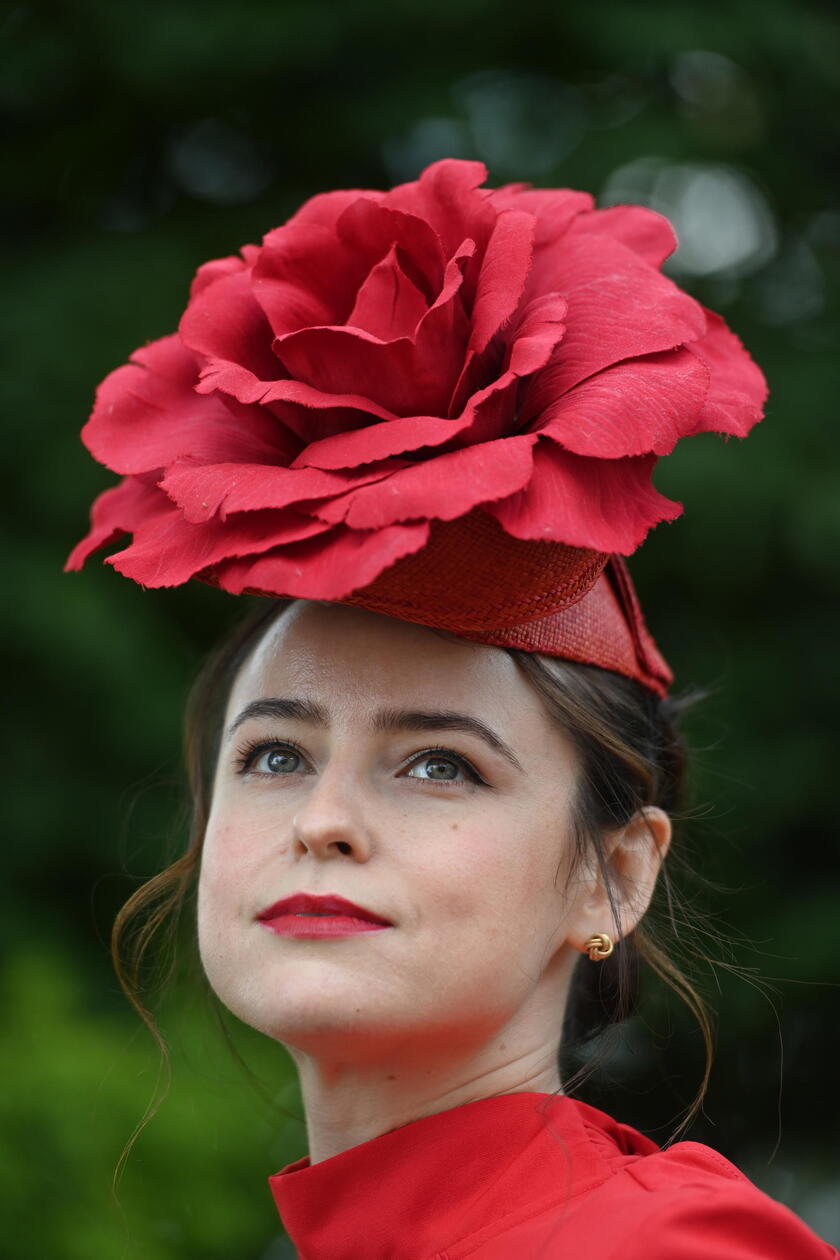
{"x":433,"y":780}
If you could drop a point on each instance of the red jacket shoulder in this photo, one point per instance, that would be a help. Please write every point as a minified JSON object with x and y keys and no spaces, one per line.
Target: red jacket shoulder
{"x":684,"y":1203}
{"x":696,"y":1205}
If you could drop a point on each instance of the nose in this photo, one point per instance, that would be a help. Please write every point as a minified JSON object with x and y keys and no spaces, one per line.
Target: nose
{"x":331,"y":821}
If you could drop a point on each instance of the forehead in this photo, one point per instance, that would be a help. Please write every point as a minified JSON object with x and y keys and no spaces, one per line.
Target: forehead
{"x":352,"y":660}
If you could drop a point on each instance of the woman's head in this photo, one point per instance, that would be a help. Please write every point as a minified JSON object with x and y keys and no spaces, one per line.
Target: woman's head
{"x":468,"y":794}
{"x":381,"y":496}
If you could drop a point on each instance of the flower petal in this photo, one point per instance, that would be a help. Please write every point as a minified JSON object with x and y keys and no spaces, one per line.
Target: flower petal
{"x":619,"y":307}
{"x":225,"y":321}
{"x":499,"y":288}
{"x":501,"y":280}
{"x":327,"y":208}
{"x":350,"y":363}
{"x":447,"y":197}
{"x":118,"y":510}
{"x":147,"y":414}
{"x":168,"y":551}
{"x":387,"y":360}
{"x":738,"y":388}
{"x":542,"y":326}
{"x":239,"y":383}
{"x":441,"y":489}
{"x":305,"y":275}
{"x":553,"y":210}
{"x":368,"y":228}
{"x":633,"y":408}
{"x":404,"y":376}
{"x":488,"y":414}
{"x":608,"y":505}
{"x":357,"y":447}
{"x":537,"y":329}
{"x":441,"y":337}
{"x":201,"y":491}
{"x":213,"y":270}
{"x":331,"y":566}
{"x":647,"y":233}
{"x":308,"y":274}
{"x":388,"y":305}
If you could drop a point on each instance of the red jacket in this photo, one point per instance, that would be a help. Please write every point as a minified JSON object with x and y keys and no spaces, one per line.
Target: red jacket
{"x":532,"y":1175}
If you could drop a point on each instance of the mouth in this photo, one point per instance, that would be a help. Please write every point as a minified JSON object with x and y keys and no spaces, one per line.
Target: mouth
{"x":303,"y":907}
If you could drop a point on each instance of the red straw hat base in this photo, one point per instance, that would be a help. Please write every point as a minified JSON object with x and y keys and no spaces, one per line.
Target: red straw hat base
{"x":478,"y":582}
{"x":473,"y":576}
{"x":604,"y":628}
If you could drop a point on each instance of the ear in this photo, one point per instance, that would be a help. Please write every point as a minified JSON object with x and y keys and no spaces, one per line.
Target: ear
{"x":622,"y":887}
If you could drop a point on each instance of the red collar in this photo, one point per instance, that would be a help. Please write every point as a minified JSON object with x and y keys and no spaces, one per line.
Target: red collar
{"x":417,"y":1190}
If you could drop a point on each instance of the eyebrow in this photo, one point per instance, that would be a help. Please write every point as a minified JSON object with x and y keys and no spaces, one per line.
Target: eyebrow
{"x":387,"y":720}
{"x":443,"y":720}
{"x":277,"y":708}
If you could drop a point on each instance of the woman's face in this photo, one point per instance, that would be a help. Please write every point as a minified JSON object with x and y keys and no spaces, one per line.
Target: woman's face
{"x":419,"y":778}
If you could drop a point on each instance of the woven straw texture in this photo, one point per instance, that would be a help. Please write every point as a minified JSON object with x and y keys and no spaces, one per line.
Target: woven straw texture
{"x":472,"y":576}
{"x":604,"y":628}
{"x":476,"y":581}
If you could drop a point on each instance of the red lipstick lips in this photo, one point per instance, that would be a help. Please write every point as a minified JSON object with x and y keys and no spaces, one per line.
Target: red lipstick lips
{"x":306,"y":915}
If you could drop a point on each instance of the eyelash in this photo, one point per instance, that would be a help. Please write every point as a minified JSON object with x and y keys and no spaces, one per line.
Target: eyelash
{"x":248,"y":753}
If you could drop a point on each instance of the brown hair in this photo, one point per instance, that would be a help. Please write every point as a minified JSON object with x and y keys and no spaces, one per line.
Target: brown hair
{"x":632,"y":756}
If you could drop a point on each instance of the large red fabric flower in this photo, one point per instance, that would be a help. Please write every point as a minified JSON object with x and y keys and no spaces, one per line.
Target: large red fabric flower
{"x":388,"y":360}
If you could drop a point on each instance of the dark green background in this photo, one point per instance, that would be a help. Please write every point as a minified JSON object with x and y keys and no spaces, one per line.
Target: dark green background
{"x":143,"y":139}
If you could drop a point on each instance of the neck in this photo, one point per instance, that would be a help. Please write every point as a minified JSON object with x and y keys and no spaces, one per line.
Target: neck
{"x":350,"y":1102}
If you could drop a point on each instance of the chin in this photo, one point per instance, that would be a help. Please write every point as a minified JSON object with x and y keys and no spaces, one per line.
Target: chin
{"x":306,"y":1004}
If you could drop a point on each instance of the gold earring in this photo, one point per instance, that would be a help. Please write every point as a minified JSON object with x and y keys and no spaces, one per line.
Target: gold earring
{"x":599,"y":946}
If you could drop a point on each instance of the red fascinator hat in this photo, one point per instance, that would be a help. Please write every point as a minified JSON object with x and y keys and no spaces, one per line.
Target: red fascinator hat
{"x":442,"y":402}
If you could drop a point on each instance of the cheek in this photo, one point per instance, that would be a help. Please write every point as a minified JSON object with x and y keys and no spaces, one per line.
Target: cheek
{"x":531,"y":852}
{"x":216,"y":892}
{"x":229,"y":883}
{"x":222,"y":857}
{"x":505,"y":881}
{"x":239,"y":840}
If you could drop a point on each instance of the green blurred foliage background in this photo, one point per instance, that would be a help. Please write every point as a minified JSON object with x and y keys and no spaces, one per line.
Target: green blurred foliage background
{"x":144,"y":139}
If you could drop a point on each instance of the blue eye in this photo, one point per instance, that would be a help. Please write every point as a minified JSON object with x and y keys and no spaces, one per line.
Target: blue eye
{"x":277,"y":761}
{"x":441,"y":769}
{"x":270,"y":758}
